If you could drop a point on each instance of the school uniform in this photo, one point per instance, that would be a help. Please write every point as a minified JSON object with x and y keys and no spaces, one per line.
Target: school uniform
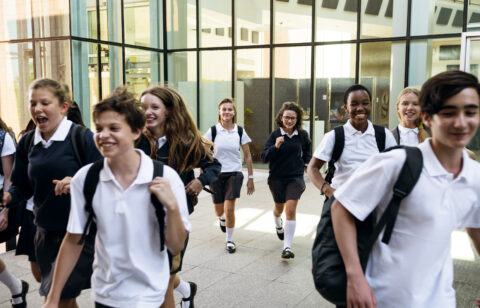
{"x":7,"y":149}
{"x":357,"y":149}
{"x":406,"y":136}
{"x":415,"y":269}
{"x":227,"y":150}
{"x":129,"y":269}
{"x":32,"y":175}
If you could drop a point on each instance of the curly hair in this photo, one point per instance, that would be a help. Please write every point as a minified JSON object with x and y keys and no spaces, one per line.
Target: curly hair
{"x":422,"y":133}
{"x":187,"y":147}
{"x":293,"y":107}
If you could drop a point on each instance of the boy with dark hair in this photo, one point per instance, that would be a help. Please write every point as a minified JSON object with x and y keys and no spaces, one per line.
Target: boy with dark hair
{"x":415,"y":269}
{"x":131,"y":267}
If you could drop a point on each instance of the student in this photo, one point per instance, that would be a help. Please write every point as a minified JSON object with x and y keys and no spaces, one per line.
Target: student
{"x":410,"y":131}
{"x":18,"y":288}
{"x":130,"y":268}
{"x":415,"y":268}
{"x":288,"y":151}
{"x":360,"y":142}
{"x":172,"y":137}
{"x":226,"y":189}
{"x":44,"y":172}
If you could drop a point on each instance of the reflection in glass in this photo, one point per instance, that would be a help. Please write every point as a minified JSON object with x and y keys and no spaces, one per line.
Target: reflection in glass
{"x":215,"y":84}
{"x":182,"y":76}
{"x":334,"y":23}
{"x":252,"y":95}
{"x":111,"y":64}
{"x":215,"y":14}
{"x":384,"y":18}
{"x":52,"y":60}
{"x":15,"y":77}
{"x":51,"y":18}
{"x":111,"y":21}
{"x":142,"y":69}
{"x":293,"y":22}
{"x":252,"y":29}
{"x":143,"y":23}
{"x":15,"y":20}
{"x":84,"y":18}
{"x":473,"y":21}
{"x":436,"y":17}
{"x":181,"y":24}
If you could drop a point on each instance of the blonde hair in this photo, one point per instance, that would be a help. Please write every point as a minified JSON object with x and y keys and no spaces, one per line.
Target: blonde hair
{"x":422,"y":133}
{"x":228,"y":101}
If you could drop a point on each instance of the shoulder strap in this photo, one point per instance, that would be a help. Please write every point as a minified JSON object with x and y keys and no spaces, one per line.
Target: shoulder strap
{"x":78,"y":143}
{"x":159,"y":211}
{"x":213,"y":130}
{"x":240,"y":133}
{"x":408,"y":177}
{"x":380,"y":137}
{"x":396,"y":134}
{"x":89,"y":188}
{"x":337,"y":152}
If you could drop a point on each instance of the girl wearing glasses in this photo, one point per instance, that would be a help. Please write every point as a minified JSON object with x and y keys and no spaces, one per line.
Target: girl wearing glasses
{"x":288,"y":151}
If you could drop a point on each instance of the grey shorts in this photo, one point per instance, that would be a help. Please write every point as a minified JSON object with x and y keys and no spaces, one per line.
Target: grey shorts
{"x":286,"y":189}
{"x":227,"y":186}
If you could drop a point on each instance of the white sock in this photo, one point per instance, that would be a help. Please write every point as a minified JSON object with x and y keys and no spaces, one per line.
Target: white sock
{"x":183,"y":288}
{"x":13,"y":283}
{"x":278,"y":221}
{"x":289,"y":232}
{"x":222,"y":220}
{"x":229,"y":234}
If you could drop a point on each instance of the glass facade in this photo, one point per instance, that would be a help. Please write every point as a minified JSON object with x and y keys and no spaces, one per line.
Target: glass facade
{"x":260,"y":52}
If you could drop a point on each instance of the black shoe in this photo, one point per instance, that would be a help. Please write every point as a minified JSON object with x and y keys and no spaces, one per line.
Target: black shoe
{"x":23,"y":294}
{"x":280,"y":231}
{"x":230,"y":247}
{"x":222,"y":227}
{"x":193,"y":291}
{"x":287,"y":253}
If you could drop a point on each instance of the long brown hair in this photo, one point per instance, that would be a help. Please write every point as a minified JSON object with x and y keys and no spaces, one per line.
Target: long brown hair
{"x":5,"y":127}
{"x":187,"y":147}
{"x":422,"y":133}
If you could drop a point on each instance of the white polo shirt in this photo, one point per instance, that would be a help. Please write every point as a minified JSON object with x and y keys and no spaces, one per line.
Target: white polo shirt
{"x":8,"y":149}
{"x":59,"y":135}
{"x":415,"y":269}
{"x":227,"y":147}
{"x":129,"y":270}
{"x":408,"y":136}
{"x":357,"y":149}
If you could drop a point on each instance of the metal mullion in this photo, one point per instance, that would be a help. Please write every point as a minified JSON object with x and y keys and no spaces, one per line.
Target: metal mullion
{"x":357,"y":47}
{"x":33,"y":42}
{"x":232,"y":2}
{"x":99,"y":52}
{"x":312,"y":75}
{"x":122,"y":21}
{"x":198,"y":60}
{"x":465,"y":16}
{"x":272,"y":56}
{"x":407,"y":44}
{"x":165,"y":42}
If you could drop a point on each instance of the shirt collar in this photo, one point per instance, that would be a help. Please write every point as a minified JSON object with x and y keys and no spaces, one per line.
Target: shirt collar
{"x":221,"y":128}
{"x":405,"y":130}
{"x":350,"y":130}
{"x":161,"y":141}
{"x":59,"y":135}
{"x":295,"y":132}
{"x":144,"y":175}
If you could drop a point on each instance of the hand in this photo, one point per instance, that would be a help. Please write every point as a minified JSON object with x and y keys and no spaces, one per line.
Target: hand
{"x":62,"y":186}
{"x":161,"y":188}
{"x":359,"y":293}
{"x":194,"y":187}
{"x":279,"y":141}
{"x":3,"y":219}
{"x":250,"y":187}
{"x":328,"y":190}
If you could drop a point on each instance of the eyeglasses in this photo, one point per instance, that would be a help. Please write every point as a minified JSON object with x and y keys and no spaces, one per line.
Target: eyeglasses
{"x":289,"y":118}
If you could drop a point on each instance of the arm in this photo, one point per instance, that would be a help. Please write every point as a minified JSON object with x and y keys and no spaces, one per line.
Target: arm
{"x":7,"y":165}
{"x":307,"y":152}
{"x":248,"y":160}
{"x":359,"y":293}
{"x":67,"y":258}
{"x":313,"y":171}
{"x":210,"y":170}
{"x":474,"y":234}
{"x":269,"y":149}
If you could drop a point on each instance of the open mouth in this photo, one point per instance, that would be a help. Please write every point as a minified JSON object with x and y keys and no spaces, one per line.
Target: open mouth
{"x":41,"y":120}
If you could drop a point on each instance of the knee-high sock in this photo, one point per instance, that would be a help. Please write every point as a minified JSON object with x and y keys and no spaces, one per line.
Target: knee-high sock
{"x":289,"y":232}
{"x":278,"y":221}
{"x":183,"y":288}
{"x":13,"y":283}
{"x":229,"y":234}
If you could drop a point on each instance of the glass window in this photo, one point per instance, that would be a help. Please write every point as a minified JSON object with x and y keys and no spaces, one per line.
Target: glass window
{"x":292,"y":69}
{"x":473,"y":21}
{"x":215,"y":84}
{"x":293,"y":22}
{"x":334,"y":23}
{"x":85,"y":69}
{"x":181,"y":24}
{"x":15,"y":20}
{"x":143,"y":23}
{"x":52,"y":60}
{"x":252,"y":97}
{"x":334,"y":73}
{"x":142,"y":69}
{"x":384,"y":18}
{"x":182,"y":76}
{"x":112,"y":68}
{"x":255,"y":28}
{"x":436,"y":17}
{"x":51,"y":18}
{"x":84,"y":18}
{"x":15,"y":77}
{"x":381,"y":65}
{"x":215,"y":14}
{"x":111,"y":21}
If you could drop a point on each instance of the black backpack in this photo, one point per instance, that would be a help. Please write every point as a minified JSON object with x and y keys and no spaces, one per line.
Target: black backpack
{"x":340,"y":143}
{"x":214,"y":132}
{"x":328,"y":268}
{"x":90,"y":186}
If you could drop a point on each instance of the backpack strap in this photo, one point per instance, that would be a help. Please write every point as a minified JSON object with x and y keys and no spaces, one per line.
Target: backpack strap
{"x":78,"y":143}
{"x":380,"y":137}
{"x":408,"y":177}
{"x":337,"y":152}
{"x":240,"y":133}
{"x":159,"y":211}
{"x":213,"y":130}
{"x":89,"y":188}
{"x":396,"y":134}
{"x":29,"y":141}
